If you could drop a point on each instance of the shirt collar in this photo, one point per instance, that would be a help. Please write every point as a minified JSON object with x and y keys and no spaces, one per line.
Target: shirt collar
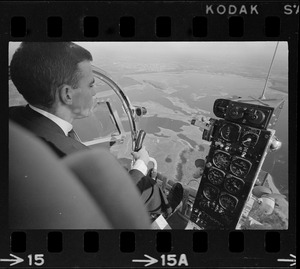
{"x":64,"y":125}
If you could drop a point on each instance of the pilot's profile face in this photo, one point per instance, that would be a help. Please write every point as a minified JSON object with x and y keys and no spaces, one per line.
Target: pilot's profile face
{"x":82,"y":97}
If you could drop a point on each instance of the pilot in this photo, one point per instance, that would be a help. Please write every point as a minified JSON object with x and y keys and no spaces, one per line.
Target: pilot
{"x":56,"y":80}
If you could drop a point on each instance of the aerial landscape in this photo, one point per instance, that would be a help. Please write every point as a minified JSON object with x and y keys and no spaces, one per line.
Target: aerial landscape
{"x":177,"y":82}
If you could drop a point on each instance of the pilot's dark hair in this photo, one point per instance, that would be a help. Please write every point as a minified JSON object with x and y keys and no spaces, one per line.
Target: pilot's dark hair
{"x":38,"y":69}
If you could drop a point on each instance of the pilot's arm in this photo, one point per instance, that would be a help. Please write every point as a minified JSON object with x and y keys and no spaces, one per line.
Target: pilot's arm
{"x":150,"y":191}
{"x":139,"y":170}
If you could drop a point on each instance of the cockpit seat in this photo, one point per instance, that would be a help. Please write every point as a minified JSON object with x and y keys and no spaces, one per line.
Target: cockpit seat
{"x":83,"y":191}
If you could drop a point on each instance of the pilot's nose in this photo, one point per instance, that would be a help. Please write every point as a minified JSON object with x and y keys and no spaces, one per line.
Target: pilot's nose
{"x":93,"y":92}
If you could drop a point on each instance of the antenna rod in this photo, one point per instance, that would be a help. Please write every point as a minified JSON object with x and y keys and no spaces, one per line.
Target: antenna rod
{"x":263,"y":93}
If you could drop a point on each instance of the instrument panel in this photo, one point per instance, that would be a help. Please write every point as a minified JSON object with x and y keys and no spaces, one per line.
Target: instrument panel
{"x":235,"y":155}
{"x":254,"y":115}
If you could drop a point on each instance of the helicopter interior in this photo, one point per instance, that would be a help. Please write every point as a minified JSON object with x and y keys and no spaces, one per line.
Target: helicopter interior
{"x":239,"y":141}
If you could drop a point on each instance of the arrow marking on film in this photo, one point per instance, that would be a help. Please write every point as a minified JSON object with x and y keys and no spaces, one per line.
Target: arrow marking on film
{"x":15,"y":261}
{"x":150,"y":260}
{"x":293,"y":261}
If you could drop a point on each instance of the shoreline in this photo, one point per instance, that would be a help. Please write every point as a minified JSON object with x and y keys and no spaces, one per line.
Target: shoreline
{"x":272,"y":185}
{"x":274,"y":189}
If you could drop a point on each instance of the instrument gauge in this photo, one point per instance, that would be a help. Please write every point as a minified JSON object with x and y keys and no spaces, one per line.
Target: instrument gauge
{"x":221,"y":159}
{"x":215,"y":176}
{"x":256,"y":116}
{"x":210,"y":192}
{"x":236,"y":112}
{"x":249,"y":139}
{"x":240,"y":167}
{"x":230,"y":132}
{"x":233,"y":184}
{"x":228,"y":202}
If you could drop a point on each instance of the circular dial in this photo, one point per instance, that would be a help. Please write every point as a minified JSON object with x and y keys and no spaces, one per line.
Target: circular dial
{"x":236,"y":112}
{"x":215,"y":176}
{"x":249,"y":139}
{"x":256,"y":116}
{"x":210,"y":192}
{"x":230,"y":132}
{"x":233,"y":184}
{"x":240,"y":167}
{"x":221,"y":159}
{"x":220,"y":107}
{"x":228,"y":202}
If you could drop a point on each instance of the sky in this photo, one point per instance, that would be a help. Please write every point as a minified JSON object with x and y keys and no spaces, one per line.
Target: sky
{"x":146,"y":50}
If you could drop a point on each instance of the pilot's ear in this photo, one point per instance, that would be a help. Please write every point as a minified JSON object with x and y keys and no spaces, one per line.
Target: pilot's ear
{"x":65,"y":94}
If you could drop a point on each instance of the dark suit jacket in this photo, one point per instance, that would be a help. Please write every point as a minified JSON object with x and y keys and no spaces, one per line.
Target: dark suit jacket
{"x":45,"y":129}
{"x":142,"y":182}
{"x":62,"y":145}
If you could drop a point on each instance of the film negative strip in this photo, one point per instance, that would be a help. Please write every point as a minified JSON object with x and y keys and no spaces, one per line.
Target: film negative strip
{"x":195,"y":99}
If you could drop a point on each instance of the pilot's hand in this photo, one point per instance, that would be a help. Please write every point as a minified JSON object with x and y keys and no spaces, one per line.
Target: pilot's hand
{"x":142,"y":154}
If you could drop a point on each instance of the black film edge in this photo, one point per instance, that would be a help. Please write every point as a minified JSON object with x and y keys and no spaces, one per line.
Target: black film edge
{"x":161,"y":21}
